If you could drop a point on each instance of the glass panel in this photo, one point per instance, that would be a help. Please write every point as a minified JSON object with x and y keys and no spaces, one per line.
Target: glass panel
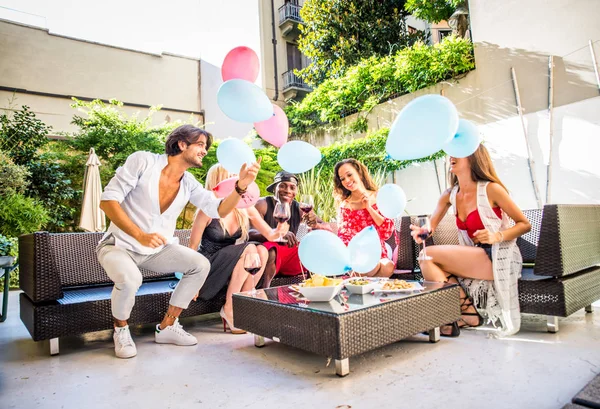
{"x":343,"y":302}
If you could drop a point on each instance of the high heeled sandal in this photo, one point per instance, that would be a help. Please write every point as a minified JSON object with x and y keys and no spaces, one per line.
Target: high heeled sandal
{"x":465,"y":304}
{"x":227,"y":324}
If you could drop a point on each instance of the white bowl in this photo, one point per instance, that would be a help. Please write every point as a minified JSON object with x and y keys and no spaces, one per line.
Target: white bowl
{"x":360,"y":289}
{"x":320,"y":293}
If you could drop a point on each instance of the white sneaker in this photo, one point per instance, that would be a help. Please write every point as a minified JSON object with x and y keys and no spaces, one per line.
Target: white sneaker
{"x":174,"y":334}
{"x":124,"y":346}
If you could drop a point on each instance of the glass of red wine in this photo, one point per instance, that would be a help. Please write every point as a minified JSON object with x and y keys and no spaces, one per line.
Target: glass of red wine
{"x":424,"y":224}
{"x":252,"y":265}
{"x":281,"y":213}
{"x":307,"y":203}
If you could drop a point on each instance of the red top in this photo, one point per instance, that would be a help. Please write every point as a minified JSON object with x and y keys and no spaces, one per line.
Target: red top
{"x":473,"y":221}
{"x":353,"y":221}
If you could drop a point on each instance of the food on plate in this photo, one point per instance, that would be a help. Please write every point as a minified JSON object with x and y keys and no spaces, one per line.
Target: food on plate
{"x":359,"y":281}
{"x":397,"y":285}
{"x":321,"y":281}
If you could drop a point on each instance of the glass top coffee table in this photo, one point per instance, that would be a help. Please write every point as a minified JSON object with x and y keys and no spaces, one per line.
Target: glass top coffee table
{"x":348,"y":325}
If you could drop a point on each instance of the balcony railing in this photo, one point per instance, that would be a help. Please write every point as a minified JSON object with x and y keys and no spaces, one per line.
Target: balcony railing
{"x":289,"y":12}
{"x":292,"y":80}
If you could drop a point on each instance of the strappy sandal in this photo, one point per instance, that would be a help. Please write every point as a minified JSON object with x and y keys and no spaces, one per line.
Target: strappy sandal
{"x":465,"y":304}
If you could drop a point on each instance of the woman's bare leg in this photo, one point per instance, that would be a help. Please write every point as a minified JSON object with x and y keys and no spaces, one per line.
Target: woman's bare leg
{"x":238,"y":277}
{"x":449,"y":262}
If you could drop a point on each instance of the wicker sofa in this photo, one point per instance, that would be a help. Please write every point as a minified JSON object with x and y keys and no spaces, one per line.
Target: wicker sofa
{"x":561,"y":259}
{"x":66,"y":291}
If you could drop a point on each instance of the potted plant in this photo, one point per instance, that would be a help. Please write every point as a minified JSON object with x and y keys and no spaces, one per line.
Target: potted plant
{"x":8,"y":251}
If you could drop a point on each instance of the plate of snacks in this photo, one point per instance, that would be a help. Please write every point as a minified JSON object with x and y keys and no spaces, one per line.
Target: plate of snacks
{"x":320,"y":288}
{"x":398,"y":286}
{"x":360,"y":285}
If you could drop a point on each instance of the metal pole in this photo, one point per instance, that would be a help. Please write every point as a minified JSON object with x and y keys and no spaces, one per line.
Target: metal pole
{"x":595,"y":64}
{"x":530,"y":160}
{"x":550,"y":126}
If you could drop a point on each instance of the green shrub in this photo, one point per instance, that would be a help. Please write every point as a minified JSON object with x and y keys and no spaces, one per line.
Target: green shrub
{"x":21,"y":215}
{"x":13,"y":178}
{"x":8,"y":246}
{"x":22,"y":134}
{"x":377,"y":79}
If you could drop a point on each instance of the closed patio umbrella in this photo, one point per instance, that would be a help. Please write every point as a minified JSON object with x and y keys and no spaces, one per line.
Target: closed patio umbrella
{"x":92,"y":218}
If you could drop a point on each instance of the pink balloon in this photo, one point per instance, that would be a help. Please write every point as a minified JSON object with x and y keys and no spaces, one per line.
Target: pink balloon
{"x":225,"y":187}
{"x":240,"y":63}
{"x":274,"y":130}
{"x":250,"y":197}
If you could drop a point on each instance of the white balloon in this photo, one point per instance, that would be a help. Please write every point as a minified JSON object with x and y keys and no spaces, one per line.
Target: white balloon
{"x":298,"y":156}
{"x":233,"y":153}
{"x":391,"y":201}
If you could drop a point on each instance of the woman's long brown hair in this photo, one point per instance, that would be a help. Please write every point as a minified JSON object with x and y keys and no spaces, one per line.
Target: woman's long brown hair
{"x":482,"y":168}
{"x":363,"y":172}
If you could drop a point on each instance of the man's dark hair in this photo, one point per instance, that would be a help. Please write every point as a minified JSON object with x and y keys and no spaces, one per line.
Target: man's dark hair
{"x":188,"y":134}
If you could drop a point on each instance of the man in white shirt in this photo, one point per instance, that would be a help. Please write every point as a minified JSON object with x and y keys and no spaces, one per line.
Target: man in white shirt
{"x":143,"y":201}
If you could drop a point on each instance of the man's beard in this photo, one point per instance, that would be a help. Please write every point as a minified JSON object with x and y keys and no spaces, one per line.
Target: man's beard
{"x":193,"y":163}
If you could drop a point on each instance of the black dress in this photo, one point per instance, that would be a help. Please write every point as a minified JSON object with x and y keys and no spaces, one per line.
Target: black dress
{"x":219,"y":247}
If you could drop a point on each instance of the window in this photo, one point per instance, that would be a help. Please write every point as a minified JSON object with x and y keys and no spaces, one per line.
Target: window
{"x":443,"y":34}
{"x":294,"y":57}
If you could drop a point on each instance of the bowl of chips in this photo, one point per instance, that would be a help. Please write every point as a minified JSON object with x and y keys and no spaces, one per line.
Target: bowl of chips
{"x":320,"y":288}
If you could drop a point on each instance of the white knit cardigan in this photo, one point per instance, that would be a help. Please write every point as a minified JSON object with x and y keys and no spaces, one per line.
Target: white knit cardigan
{"x":496,"y":300}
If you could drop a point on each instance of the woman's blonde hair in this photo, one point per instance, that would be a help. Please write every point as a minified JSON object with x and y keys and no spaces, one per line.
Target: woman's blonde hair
{"x":482,"y":168}
{"x":215,"y":175}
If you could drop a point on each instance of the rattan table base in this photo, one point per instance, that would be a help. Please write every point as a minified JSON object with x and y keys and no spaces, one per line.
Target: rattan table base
{"x":342,"y":335}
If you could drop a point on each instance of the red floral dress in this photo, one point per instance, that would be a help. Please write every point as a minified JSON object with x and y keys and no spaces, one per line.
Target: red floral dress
{"x":353,"y":221}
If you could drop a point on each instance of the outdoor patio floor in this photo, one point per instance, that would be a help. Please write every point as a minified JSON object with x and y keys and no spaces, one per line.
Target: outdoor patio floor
{"x":533,"y":369}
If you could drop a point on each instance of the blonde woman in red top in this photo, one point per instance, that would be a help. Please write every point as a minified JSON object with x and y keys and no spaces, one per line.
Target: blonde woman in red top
{"x":356,"y":194}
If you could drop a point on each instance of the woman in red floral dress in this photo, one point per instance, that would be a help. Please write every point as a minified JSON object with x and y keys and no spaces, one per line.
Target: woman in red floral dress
{"x":356,"y":194}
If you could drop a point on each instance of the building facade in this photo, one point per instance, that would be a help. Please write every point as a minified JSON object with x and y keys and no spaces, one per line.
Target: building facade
{"x":44,"y":71}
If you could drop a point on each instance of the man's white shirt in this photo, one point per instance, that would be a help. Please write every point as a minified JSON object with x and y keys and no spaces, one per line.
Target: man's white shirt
{"x":135,"y":187}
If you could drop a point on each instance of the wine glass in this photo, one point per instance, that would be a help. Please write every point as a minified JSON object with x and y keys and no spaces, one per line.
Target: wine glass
{"x":252,"y":265}
{"x":424,"y":224}
{"x":307,"y":203}
{"x":281,"y":213}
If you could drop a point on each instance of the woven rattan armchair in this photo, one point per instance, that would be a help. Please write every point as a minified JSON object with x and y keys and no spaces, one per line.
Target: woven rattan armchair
{"x":561,"y":259}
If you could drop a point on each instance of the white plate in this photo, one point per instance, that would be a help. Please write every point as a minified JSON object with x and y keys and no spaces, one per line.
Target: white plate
{"x":416,"y":287}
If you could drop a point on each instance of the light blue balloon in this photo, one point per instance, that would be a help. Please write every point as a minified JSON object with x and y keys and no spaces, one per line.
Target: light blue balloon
{"x":322,"y":252}
{"x":365,"y":250}
{"x":422,"y":128}
{"x":465,"y":142}
{"x":391,"y":201}
{"x":178,"y":275}
{"x":233,"y":153}
{"x":244,"y":101}
{"x":298,"y":156}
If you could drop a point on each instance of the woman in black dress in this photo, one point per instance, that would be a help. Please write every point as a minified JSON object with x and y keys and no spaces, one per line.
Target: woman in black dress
{"x":225,"y":243}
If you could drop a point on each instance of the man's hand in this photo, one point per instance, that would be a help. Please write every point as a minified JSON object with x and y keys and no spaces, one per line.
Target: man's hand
{"x":152,"y":240}
{"x":292,"y":240}
{"x":310,"y":219}
{"x":248,"y":174}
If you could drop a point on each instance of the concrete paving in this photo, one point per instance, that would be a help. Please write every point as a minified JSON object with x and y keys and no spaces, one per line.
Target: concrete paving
{"x":533,"y":369}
